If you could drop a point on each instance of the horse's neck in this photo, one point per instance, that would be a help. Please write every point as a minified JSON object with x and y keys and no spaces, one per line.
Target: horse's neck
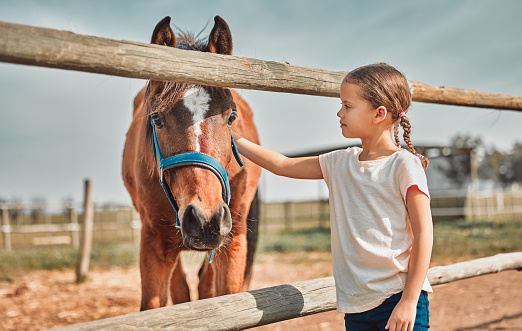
{"x":138,"y":101}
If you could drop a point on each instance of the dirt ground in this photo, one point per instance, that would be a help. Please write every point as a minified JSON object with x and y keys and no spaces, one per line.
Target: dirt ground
{"x":47,"y":299}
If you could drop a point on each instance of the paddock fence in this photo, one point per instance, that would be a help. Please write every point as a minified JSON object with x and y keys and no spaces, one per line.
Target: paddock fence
{"x":57,"y":224}
{"x":22,"y":44}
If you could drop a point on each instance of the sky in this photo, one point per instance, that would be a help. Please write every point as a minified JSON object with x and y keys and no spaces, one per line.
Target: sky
{"x":60,"y":127}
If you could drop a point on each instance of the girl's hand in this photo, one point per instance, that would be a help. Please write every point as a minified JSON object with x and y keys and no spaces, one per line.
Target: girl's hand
{"x":235,"y":136}
{"x":403,"y":316}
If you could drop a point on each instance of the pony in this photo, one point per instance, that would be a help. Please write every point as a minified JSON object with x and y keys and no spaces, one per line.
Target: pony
{"x":173,"y":119}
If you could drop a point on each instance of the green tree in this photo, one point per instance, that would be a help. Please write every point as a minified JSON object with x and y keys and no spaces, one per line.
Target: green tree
{"x":503,"y":167}
{"x":458,"y":164}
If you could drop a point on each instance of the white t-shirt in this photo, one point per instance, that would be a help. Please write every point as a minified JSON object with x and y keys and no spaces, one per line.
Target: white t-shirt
{"x":371,"y":232}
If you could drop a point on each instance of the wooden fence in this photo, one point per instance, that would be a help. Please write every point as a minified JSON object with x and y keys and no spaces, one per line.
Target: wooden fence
{"x":122,"y":223}
{"x":60,"y":49}
{"x":119,"y":223}
{"x":269,"y":305}
{"x":497,"y":206}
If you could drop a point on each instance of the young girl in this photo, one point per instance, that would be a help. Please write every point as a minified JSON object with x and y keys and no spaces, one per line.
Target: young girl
{"x":381,"y":222}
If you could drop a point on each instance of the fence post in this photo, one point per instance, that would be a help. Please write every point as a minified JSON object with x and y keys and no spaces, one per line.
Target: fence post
{"x":323,"y":213}
{"x":74,"y":228}
{"x":19,"y":213}
{"x":86,"y":242}
{"x":288,"y":216}
{"x":6,"y":227}
{"x":135,"y":226}
{"x":514,"y":205}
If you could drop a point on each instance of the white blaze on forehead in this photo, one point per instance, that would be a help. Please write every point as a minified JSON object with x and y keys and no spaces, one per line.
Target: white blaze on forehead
{"x":196,"y":100}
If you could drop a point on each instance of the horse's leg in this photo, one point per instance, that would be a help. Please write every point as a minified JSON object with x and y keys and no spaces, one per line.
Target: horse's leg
{"x":230,"y":266}
{"x":252,"y":234}
{"x":155,"y":271}
{"x":179,"y":289}
{"x":206,"y":286}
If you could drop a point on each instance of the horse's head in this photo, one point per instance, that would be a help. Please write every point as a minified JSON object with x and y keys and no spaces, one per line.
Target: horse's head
{"x":193,"y":118}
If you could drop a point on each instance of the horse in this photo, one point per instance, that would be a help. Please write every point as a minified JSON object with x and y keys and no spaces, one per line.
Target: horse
{"x":196,"y":205}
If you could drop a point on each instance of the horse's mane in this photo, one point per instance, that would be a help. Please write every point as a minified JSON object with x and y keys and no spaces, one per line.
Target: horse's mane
{"x":171,"y":92}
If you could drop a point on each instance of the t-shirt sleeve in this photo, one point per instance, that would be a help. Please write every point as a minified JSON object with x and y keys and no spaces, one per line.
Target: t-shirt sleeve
{"x":412,"y":174}
{"x":327,"y":161}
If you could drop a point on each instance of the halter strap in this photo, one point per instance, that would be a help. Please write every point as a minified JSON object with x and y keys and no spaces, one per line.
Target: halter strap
{"x":196,"y":159}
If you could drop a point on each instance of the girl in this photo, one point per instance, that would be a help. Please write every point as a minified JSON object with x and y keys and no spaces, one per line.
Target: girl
{"x":381,"y":222}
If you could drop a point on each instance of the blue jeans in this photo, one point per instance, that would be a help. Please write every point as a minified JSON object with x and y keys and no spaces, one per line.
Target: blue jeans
{"x":376,"y":318}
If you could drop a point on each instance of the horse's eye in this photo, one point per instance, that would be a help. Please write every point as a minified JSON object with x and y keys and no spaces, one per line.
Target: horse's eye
{"x":156,"y":119}
{"x":232,"y":118}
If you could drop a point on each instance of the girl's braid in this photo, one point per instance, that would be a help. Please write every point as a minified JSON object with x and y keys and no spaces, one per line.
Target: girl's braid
{"x":406,"y":126}
{"x":396,"y":134}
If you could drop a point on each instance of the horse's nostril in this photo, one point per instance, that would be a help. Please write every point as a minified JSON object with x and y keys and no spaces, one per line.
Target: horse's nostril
{"x":193,"y":221}
{"x":195,"y":224}
{"x":223,"y":219}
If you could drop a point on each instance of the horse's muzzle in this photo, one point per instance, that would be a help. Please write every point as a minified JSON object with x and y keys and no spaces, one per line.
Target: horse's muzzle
{"x":201,"y":233}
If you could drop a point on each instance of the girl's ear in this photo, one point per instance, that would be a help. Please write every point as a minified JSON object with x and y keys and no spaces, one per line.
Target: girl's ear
{"x":380,"y":114}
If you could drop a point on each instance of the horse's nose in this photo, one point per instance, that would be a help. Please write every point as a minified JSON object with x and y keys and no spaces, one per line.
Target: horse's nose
{"x":195,"y":224}
{"x":224,"y":220}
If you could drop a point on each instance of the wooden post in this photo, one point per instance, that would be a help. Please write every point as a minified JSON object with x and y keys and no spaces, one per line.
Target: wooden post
{"x":74,"y":228}
{"x":19,"y":213}
{"x":135,"y":225}
{"x":6,"y":227}
{"x":288,"y":216}
{"x":86,"y":243}
{"x":324,"y":217}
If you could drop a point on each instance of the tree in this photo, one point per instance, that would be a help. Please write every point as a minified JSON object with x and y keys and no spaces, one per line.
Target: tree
{"x":510,"y":169}
{"x":458,"y":164}
{"x":503,"y":167}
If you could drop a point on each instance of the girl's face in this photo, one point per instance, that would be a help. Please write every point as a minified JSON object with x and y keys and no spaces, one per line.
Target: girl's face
{"x":356,"y":115}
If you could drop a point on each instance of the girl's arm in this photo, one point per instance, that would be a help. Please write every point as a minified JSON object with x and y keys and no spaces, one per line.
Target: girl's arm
{"x":302,"y":167}
{"x":419,"y":212}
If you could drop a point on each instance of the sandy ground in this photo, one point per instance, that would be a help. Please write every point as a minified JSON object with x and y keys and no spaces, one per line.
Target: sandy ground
{"x":47,"y":299}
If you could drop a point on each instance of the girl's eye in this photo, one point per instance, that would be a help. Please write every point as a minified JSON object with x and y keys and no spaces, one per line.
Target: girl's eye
{"x":231,"y":118}
{"x":156,"y":119}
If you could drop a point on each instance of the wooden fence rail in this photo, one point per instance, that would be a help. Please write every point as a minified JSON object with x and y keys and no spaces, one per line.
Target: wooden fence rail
{"x":44,"y":47}
{"x":269,"y":305}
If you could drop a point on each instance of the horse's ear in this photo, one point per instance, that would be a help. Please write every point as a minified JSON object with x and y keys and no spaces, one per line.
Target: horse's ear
{"x":220,"y":39}
{"x":163,"y":34}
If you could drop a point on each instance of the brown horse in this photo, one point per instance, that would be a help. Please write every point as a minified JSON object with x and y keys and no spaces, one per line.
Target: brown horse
{"x":191,"y":118}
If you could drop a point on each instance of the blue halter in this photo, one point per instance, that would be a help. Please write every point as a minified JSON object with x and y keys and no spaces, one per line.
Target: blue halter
{"x":192,"y":159}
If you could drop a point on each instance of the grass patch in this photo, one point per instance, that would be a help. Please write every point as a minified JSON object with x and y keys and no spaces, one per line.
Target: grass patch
{"x":454,"y":241}
{"x":313,"y":240}
{"x":22,"y":260}
{"x":462,"y":240}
